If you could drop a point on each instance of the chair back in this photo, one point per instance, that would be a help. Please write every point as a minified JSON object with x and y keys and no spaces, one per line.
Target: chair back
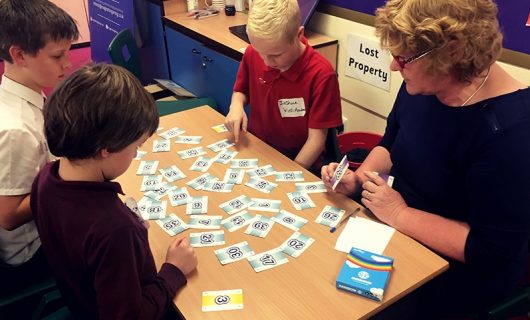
{"x":124,"y":52}
{"x":169,"y":107}
{"x":350,"y":141}
{"x":332,"y":153}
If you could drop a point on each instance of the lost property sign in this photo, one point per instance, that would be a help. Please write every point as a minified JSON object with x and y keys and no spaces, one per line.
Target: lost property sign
{"x":367,"y":62}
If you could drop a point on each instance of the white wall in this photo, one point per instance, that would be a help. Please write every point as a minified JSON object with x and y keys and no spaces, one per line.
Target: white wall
{"x":366,"y":106}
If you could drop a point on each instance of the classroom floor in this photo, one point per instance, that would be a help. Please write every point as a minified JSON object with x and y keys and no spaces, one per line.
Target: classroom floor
{"x":78,"y":57}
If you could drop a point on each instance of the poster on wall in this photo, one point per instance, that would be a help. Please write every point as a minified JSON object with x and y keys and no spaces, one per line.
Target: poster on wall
{"x":367,"y":62}
{"x":106,"y":19}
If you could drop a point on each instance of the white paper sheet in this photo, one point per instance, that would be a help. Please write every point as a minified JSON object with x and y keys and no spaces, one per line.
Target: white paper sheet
{"x":364,"y":234}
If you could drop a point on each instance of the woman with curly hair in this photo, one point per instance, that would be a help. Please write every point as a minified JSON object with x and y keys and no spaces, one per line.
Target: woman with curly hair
{"x":456,"y":142}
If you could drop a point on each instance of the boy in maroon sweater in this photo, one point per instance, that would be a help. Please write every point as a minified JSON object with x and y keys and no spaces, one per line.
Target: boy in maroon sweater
{"x":95,"y":245}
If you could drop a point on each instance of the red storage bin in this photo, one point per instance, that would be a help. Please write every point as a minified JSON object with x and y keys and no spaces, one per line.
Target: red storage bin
{"x":349,"y":141}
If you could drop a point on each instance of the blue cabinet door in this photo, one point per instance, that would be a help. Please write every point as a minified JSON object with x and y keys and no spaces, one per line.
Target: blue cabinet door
{"x":222,"y":71}
{"x":201,"y":70}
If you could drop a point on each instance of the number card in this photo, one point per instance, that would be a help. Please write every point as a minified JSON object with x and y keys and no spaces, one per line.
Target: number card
{"x":154,"y":210}
{"x":237,"y":221}
{"x":268,"y":205}
{"x":261,"y":185}
{"x":172,"y":224}
{"x":289,"y":176}
{"x":221,"y":145}
{"x":172,"y":173}
{"x":171,"y":133}
{"x":199,"y":182}
{"x":260,"y":226}
{"x":161,"y":191}
{"x":202,"y":164}
{"x":235,"y":205}
{"x":330,"y":216}
{"x":205,"y":222}
{"x":339,"y":172}
{"x":188,"y":139}
{"x":150,"y":183}
{"x":178,"y":196}
{"x":207,"y":239}
{"x":222,"y":300}
{"x":133,"y":205}
{"x":190,"y":153}
{"x":296,"y":244}
{"x":264,"y":171}
{"x":301,"y":200}
{"x":147,"y":167}
{"x":142,"y":204}
{"x":140,"y":154}
{"x":290,"y":220}
{"x":220,"y":128}
{"x":388,"y":179}
{"x":161,"y":145}
{"x":218,"y":186}
{"x":225,"y":156}
{"x":310,"y":187}
{"x":197,"y":205}
{"x":234,"y":176}
{"x":234,"y":253}
{"x":244,"y":163}
{"x":267,"y":260}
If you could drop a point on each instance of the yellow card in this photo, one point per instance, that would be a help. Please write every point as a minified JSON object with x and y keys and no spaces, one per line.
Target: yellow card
{"x":220,"y":128}
{"x":222,"y":300}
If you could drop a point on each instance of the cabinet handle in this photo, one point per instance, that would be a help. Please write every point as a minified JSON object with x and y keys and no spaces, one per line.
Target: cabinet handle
{"x":195,"y":51}
{"x":206,"y":59}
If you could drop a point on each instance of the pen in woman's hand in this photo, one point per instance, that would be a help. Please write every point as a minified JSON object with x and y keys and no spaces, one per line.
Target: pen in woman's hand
{"x":344,"y":219}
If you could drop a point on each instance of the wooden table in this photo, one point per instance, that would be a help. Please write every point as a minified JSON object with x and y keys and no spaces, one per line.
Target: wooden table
{"x":304,"y":288}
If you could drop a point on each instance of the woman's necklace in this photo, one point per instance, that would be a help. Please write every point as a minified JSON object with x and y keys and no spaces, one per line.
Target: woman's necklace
{"x":478,"y":89}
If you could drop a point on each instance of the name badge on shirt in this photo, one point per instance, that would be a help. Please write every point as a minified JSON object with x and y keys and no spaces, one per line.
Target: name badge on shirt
{"x":291,"y":108}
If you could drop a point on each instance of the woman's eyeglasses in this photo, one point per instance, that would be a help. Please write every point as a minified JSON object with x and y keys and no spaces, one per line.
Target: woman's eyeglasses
{"x":402,"y":62}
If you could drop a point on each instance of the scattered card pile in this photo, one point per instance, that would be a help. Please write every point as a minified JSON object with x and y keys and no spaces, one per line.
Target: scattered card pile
{"x":257,"y":216}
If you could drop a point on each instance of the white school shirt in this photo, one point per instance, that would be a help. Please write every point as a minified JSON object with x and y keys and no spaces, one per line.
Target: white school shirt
{"x":23,"y":152}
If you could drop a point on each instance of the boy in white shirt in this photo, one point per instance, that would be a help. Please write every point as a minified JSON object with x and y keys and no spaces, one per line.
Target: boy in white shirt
{"x":35,"y":40}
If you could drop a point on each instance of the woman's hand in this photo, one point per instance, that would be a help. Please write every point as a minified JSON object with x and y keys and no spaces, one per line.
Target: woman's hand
{"x":385,"y":202}
{"x":347,"y":185}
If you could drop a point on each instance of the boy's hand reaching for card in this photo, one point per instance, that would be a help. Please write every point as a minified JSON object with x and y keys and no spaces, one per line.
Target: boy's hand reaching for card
{"x":182,"y":255}
{"x":236,"y":121}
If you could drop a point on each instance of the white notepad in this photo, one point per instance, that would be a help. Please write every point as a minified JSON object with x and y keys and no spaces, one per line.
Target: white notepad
{"x":364,"y":234}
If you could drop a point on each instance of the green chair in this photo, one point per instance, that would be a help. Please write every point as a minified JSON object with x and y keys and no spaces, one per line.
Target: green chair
{"x":124,"y":52}
{"x":124,"y":40}
{"x":52,"y":307}
{"x":518,"y":304}
{"x":169,"y":107}
{"x":25,"y":299}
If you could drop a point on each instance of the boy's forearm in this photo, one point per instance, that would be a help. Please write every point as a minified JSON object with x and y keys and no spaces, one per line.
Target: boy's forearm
{"x":313,"y":147}
{"x":14,"y":211}
{"x":239,"y":100}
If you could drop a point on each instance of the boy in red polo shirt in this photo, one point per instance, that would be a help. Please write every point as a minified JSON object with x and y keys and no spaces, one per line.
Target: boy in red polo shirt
{"x":293,"y":90}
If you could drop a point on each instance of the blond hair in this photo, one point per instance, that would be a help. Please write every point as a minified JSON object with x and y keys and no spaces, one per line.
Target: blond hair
{"x":465,"y":33}
{"x":274,"y":19}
